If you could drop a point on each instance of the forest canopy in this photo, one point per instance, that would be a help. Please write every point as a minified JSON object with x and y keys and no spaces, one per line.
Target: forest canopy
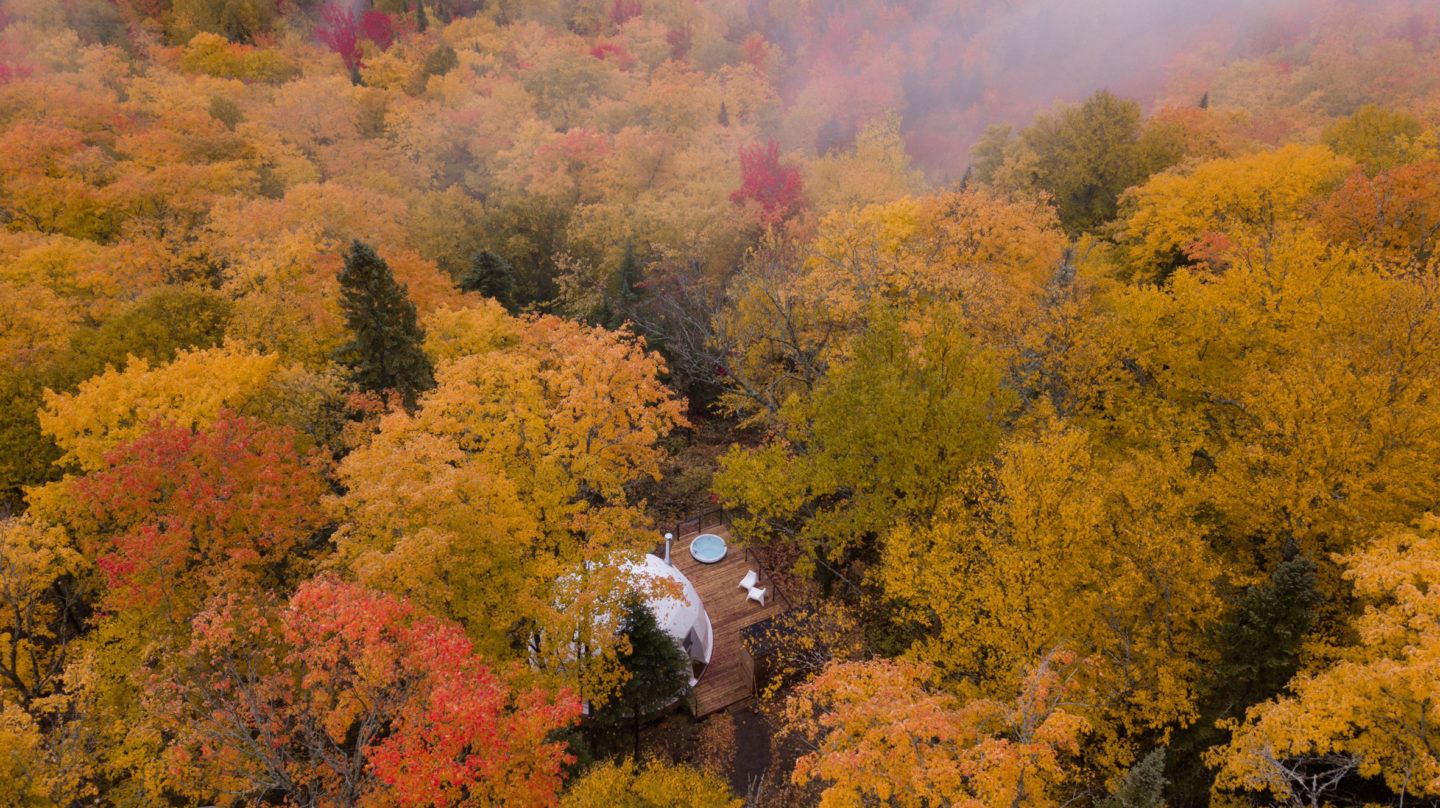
{"x":1070,"y":370}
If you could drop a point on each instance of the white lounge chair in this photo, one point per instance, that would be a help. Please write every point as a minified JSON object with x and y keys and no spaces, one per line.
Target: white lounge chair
{"x":757,"y":595}
{"x":749,"y":580}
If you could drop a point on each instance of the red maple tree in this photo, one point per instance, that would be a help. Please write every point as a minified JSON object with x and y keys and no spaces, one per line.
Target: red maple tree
{"x":349,"y":696}
{"x":379,"y":28}
{"x":340,"y":32}
{"x":680,"y":41}
{"x":622,"y":11}
{"x":762,"y":178}
{"x":615,"y":52}
{"x":179,"y":514}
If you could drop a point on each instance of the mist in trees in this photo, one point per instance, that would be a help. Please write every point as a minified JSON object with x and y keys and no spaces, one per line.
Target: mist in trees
{"x":1069,"y":368}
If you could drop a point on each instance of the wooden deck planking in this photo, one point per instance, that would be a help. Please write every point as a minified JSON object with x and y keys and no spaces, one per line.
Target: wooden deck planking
{"x":724,"y":682}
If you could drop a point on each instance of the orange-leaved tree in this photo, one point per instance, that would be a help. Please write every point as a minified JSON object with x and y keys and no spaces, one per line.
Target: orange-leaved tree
{"x":349,"y":696}
{"x":880,"y":731}
{"x":178,"y":514}
{"x":169,"y":519}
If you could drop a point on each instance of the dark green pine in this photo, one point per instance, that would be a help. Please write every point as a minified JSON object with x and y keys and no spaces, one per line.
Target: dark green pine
{"x":627,"y":289}
{"x":1259,"y":646}
{"x":491,"y":276}
{"x":659,"y":672}
{"x":385,"y":351}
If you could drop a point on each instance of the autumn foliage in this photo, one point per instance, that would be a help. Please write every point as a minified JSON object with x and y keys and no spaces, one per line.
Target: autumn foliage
{"x":359,"y":697}
{"x":622,"y":11}
{"x":880,"y":732}
{"x":1374,"y":710}
{"x":1086,"y":439}
{"x":178,"y":512}
{"x":378,"y":27}
{"x":340,"y":32}
{"x":764,"y":180}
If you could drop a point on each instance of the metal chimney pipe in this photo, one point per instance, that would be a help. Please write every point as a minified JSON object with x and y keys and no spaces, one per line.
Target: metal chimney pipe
{"x":669,"y":537}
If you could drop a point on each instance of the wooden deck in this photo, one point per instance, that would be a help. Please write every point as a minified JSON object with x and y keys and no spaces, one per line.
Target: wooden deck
{"x":725,"y":682}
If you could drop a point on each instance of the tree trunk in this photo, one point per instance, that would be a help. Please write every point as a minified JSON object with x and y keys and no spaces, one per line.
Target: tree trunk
{"x":636,"y":719}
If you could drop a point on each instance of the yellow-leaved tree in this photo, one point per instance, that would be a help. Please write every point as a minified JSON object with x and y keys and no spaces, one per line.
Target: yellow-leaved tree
{"x":652,"y":785}
{"x":39,"y":607}
{"x":1300,"y":381}
{"x":792,"y":313}
{"x":502,"y":501}
{"x":1375,"y":711}
{"x":120,"y":405}
{"x":1055,"y":544}
{"x":25,"y":779}
{"x":1182,"y":216}
{"x":876,"y":169}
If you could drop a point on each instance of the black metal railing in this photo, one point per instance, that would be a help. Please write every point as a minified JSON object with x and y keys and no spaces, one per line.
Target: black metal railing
{"x":716,"y":517}
{"x":719,"y":517}
{"x":752,"y":558}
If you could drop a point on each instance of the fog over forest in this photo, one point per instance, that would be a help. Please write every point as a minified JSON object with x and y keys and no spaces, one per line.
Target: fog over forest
{"x":719,"y":403}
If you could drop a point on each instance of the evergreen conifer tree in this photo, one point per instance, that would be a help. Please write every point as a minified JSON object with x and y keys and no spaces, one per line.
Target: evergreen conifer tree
{"x":659,"y":672}
{"x":1143,"y":786}
{"x":385,"y":351}
{"x":1261,"y":641}
{"x":627,"y":292}
{"x":1260,"y":652}
{"x":491,"y":276}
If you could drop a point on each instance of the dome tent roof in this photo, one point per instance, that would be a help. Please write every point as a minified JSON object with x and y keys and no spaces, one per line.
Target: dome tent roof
{"x":668,"y":594}
{"x":675,"y":615}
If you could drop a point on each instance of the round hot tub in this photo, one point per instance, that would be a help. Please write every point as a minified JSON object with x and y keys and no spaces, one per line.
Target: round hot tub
{"x":707,"y":548}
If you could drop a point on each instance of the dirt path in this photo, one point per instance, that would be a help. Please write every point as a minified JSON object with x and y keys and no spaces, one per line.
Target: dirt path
{"x":752,"y":748}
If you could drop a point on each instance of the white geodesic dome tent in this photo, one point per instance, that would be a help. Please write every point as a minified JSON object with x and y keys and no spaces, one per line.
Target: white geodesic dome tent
{"x":684,"y":617}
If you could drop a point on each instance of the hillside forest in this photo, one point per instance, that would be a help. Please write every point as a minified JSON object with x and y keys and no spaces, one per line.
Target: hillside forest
{"x":1072,"y":369}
